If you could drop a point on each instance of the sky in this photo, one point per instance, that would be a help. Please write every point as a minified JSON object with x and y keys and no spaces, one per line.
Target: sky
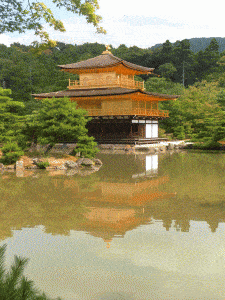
{"x":141,"y":23}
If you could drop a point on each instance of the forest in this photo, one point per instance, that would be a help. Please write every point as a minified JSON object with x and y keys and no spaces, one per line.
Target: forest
{"x":198,"y":77}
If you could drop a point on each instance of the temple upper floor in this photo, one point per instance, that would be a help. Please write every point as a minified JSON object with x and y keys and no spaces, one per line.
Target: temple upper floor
{"x":105,"y":80}
{"x":105,"y":71}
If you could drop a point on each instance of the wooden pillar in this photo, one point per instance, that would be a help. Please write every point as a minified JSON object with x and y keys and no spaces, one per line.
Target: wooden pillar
{"x":131,"y":131}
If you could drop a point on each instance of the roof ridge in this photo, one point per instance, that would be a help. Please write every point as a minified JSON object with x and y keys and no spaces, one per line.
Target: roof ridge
{"x":105,"y":60}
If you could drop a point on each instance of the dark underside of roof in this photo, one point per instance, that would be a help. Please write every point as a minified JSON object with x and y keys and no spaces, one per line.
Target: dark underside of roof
{"x":99,"y":92}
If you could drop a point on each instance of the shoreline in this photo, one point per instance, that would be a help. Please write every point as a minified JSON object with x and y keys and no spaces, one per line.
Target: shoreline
{"x":60,"y":161}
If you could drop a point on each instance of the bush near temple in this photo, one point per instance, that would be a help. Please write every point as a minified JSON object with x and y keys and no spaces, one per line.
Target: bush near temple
{"x":59,"y":120}
{"x":86,"y":146}
{"x":11,"y":153}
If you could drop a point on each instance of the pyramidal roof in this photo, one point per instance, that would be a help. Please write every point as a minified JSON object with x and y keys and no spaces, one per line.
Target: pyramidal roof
{"x":105,"y":60}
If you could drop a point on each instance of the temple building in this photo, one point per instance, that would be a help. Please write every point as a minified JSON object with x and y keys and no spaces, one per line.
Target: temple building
{"x":121,"y":110}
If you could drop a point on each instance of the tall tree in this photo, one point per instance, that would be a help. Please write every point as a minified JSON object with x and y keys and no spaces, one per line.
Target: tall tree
{"x":183,"y":59}
{"x":166,"y":52}
{"x":10,"y":117}
{"x":17,"y":15}
{"x":207,"y":61}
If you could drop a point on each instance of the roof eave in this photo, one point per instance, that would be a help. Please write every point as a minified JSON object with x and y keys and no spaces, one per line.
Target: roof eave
{"x":139,"y":70}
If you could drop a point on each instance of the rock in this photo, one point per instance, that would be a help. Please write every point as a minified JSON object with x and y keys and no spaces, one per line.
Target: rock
{"x":142,"y":148}
{"x":127,"y":148}
{"x":19,"y":168}
{"x":31,"y":167}
{"x":79,"y":161}
{"x":162,"y":149}
{"x":1,"y":166}
{"x":19,"y":164}
{"x":36,"y":161}
{"x":62,"y":167}
{"x":87,"y":162}
{"x":71,"y":164}
{"x":10,"y":167}
{"x":170,"y":146}
{"x":94,"y":168}
{"x":50,"y":168}
{"x":97,"y":162}
{"x":151,"y":150}
{"x":106,"y":147}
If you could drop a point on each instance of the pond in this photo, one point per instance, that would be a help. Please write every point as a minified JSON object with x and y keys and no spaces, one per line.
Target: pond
{"x":142,"y":227}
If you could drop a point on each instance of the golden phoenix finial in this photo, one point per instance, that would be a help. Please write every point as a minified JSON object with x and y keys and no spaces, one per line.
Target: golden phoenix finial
{"x":107,"y":47}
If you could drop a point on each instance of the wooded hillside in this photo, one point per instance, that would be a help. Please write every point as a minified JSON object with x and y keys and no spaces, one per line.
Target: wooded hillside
{"x":198,"y":77}
{"x":200,"y":44}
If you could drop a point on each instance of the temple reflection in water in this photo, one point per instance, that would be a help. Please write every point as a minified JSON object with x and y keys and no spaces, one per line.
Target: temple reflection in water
{"x":127,"y":192}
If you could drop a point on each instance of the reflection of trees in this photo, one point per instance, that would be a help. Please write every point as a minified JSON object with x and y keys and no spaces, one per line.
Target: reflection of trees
{"x":41,"y":201}
{"x":183,"y":210}
{"x":106,"y":207}
{"x":199,"y":176}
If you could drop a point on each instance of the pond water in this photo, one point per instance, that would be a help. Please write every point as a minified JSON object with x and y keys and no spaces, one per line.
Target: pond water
{"x":142,"y":227}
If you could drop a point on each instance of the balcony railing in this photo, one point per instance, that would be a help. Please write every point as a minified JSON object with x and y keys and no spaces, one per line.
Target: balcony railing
{"x":128,"y":112}
{"x":91,"y":84}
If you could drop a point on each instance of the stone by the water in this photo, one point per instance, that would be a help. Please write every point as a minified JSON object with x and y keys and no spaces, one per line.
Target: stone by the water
{"x":97,"y":162}
{"x":71,"y":164}
{"x":87,"y":162}
{"x":36,"y":161}
{"x":19,"y":164}
{"x":33,"y":167}
{"x":62,"y":167}
{"x":170,"y":146}
{"x":79,"y":161}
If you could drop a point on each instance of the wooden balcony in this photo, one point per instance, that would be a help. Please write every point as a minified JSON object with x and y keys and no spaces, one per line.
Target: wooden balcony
{"x":93,"y":84}
{"x":128,"y":112}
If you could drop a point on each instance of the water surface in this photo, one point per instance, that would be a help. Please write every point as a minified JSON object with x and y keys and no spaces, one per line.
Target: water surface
{"x":142,"y":227}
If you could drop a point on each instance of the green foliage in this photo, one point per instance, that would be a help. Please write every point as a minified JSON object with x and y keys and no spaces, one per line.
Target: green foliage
{"x":197,"y":115}
{"x":163,"y":86}
{"x":9,"y":117}
{"x":86,"y":146}
{"x":167,"y":70}
{"x":26,"y":73}
{"x":221,"y":99}
{"x":58,"y":120}
{"x":207,"y":61}
{"x":19,"y":16}
{"x":13,"y":284}
{"x":11,"y":153}
{"x":43,"y":164}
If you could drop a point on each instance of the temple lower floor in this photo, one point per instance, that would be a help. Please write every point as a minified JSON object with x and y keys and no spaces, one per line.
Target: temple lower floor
{"x":123,"y":130}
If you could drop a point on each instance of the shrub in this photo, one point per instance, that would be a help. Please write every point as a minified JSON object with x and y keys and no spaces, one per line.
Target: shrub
{"x":11,"y":153}
{"x":86,"y":146}
{"x":42,"y":164}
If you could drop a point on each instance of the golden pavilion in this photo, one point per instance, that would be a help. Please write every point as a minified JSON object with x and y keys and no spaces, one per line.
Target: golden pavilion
{"x":121,"y":110}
